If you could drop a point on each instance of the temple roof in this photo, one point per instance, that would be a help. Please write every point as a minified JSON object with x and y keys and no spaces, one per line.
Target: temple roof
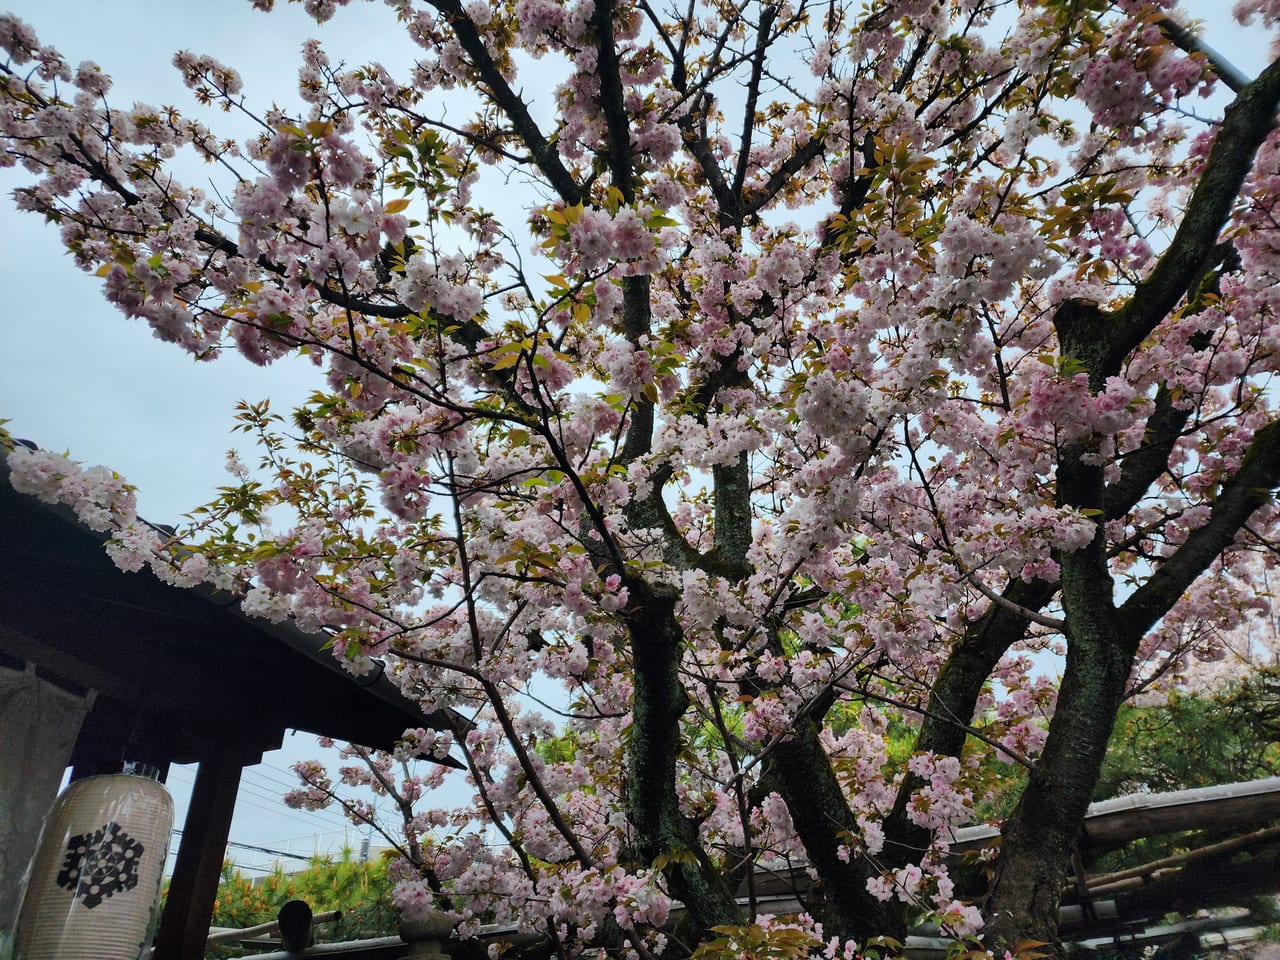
{"x":178,"y":672}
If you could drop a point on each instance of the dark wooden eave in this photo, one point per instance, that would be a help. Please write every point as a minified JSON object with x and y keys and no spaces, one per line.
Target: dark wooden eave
{"x":179,"y":676}
{"x":182,"y":673}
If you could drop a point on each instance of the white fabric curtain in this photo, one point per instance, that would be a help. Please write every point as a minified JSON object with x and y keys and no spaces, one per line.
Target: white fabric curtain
{"x":39,"y":723}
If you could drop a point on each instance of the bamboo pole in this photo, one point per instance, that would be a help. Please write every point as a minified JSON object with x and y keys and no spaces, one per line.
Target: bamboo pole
{"x":1106,"y":882}
{"x":265,"y":929}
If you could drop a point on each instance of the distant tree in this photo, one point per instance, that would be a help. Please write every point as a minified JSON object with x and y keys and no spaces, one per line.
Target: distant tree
{"x":240,"y":903}
{"x":360,"y":890}
{"x":1196,"y":738}
{"x":839,"y":359}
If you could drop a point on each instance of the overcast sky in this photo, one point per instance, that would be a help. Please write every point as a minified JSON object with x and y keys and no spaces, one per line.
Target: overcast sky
{"x":79,"y":377}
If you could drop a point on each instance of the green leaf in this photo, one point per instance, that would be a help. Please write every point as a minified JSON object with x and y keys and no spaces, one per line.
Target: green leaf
{"x":506,"y":361}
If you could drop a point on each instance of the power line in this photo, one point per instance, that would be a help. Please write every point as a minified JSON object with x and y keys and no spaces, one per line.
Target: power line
{"x":275,"y":805}
{"x":277,"y":853}
{"x":327,"y":815}
{"x":311,"y":836}
{"x":283,"y":776}
{"x":250,"y":846}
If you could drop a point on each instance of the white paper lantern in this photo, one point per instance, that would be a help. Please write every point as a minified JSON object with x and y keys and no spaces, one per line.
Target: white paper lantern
{"x":93,"y":889}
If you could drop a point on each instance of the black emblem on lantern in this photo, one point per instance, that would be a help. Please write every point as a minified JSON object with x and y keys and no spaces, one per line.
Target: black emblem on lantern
{"x":100,"y":864}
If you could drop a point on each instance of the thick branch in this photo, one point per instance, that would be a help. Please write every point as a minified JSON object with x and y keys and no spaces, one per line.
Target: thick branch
{"x":693,"y":129}
{"x":544,"y":152}
{"x":1245,"y":125}
{"x":388,"y":311}
{"x":732,"y":493}
{"x":1141,"y":468}
{"x":1239,"y":498}
{"x":767,"y":17}
{"x":653,"y":808}
{"x":785,"y":174}
{"x":611,"y":103}
{"x":799,"y":768}
{"x":952,"y":702}
{"x":637,"y":319}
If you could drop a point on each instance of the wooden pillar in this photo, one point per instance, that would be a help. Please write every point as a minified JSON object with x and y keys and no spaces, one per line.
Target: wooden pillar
{"x":184,"y":927}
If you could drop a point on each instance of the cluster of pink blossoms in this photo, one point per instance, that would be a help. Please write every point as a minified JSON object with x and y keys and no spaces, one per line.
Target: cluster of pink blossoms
{"x":821,"y":456}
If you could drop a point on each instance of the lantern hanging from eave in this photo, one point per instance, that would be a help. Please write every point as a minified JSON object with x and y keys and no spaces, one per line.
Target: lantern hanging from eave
{"x":93,"y":889}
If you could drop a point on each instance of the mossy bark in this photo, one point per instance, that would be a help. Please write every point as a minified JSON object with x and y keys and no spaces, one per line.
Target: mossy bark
{"x":1037,"y":839}
{"x":800,"y":770}
{"x":653,"y":807}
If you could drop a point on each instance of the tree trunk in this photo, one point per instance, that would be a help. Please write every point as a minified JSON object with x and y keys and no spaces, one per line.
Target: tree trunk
{"x":653,"y":808}
{"x":1037,"y":839}
{"x":799,"y":768}
{"x":954,"y":698}
{"x":952,"y":702}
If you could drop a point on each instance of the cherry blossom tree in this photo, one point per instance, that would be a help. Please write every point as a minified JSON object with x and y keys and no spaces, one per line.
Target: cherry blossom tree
{"x":826,"y":367}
